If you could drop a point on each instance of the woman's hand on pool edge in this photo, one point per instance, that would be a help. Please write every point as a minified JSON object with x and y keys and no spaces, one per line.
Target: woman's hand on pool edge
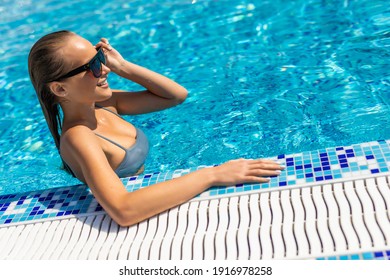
{"x":242,"y":171}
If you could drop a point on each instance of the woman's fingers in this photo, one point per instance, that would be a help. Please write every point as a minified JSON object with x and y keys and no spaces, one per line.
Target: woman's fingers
{"x":264,"y":172}
{"x":106,"y":46}
{"x":103,"y":45}
{"x":266,"y":161}
{"x":271,"y":165}
{"x":254,"y":179}
{"x":266,"y":167}
{"x":104,"y":40}
{"x":247,"y":171}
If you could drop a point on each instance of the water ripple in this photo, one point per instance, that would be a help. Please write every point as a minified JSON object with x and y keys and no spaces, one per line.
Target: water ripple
{"x":264,"y":77}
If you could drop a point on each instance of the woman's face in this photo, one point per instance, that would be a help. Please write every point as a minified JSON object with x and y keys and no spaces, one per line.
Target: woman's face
{"x":83,"y":87}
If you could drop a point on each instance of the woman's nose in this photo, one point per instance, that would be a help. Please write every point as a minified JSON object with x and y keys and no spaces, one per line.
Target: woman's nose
{"x":105,"y":69}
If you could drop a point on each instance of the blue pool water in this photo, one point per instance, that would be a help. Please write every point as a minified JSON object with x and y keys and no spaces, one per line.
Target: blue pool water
{"x":264,"y":78}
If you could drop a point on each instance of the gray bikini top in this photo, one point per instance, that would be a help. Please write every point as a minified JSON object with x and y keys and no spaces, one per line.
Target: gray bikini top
{"x":135,"y":156}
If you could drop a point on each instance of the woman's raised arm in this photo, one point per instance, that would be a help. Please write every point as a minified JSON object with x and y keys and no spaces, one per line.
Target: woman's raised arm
{"x":161,"y":92}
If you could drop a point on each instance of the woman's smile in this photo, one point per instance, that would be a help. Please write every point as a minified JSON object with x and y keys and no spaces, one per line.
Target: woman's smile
{"x":103,"y":84}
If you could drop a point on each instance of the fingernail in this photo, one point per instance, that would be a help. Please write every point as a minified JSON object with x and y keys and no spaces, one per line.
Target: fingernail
{"x":278,"y":172}
{"x":282,"y":166}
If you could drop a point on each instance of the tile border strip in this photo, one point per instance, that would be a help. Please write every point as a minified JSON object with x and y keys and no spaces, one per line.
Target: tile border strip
{"x":374,"y":255}
{"x":342,"y":163}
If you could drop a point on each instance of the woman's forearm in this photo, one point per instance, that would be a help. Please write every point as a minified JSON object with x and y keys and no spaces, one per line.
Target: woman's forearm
{"x":152,"y":81}
{"x":145,"y":203}
{"x":130,"y":208}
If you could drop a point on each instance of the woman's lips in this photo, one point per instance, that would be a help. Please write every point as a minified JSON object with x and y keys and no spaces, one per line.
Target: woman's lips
{"x":103,"y":84}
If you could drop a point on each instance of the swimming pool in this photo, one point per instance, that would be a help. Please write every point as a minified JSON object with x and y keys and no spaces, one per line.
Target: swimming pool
{"x":264,"y":78}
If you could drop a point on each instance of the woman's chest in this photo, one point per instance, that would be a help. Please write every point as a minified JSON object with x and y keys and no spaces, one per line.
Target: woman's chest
{"x":114,"y":132}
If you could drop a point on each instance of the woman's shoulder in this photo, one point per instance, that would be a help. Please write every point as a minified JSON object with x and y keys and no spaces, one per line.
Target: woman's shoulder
{"x":78,"y":137}
{"x":75,"y":131}
{"x":80,"y":149}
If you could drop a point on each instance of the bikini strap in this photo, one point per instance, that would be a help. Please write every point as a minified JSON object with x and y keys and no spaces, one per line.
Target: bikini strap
{"x":109,"y":140}
{"x":105,"y":138}
{"x":104,"y":108}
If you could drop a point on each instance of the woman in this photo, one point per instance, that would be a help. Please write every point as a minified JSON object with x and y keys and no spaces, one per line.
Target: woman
{"x":97,"y":146}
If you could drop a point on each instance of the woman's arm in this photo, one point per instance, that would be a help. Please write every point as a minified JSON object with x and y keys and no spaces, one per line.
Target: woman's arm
{"x":152,"y":81}
{"x":147,"y":202}
{"x":161,"y":92}
{"x":127,"y":208}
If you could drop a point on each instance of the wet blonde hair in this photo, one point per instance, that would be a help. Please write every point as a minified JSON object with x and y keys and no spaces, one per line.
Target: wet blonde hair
{"x":45,"y":64}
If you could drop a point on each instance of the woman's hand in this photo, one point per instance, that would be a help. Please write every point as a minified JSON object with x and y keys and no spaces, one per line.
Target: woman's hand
{"x":242,"y":171}
{"x":114,"y":59}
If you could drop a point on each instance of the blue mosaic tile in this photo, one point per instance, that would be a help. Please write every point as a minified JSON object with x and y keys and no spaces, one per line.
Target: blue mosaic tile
{"x":355,"y":257}
{"x":303,"y":168}
{"x":378,"y":255}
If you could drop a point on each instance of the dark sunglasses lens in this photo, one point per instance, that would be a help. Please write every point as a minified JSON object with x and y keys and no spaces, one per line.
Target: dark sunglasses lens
{"x":101,"y":57}
{"x":96,"y":68}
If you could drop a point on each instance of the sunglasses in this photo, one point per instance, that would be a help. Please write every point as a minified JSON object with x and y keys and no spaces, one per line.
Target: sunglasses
{"x":95,"y":65}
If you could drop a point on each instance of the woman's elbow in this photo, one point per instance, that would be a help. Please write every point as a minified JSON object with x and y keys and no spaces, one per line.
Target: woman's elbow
{"x":123,"y":222}
{"x":124,"y":216}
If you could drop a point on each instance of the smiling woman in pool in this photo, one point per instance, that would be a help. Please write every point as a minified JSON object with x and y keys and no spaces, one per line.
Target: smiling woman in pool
{"x":97,"y":146}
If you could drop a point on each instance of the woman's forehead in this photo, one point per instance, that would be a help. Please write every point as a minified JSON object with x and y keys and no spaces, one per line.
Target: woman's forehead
{"x":78,"y":50}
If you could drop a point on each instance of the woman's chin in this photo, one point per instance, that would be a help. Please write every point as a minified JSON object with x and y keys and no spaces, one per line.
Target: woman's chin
{"x":104,"y":93}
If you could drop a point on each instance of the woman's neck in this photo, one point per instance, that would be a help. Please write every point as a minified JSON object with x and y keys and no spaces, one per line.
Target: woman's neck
{"x":78,"y":114}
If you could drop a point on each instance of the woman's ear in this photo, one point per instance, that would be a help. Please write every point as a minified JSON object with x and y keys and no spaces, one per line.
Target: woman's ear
{"x":58,"y":89}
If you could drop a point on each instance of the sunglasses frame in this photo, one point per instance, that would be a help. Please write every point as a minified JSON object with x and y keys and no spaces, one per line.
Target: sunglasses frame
{"x":99,"y":56}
